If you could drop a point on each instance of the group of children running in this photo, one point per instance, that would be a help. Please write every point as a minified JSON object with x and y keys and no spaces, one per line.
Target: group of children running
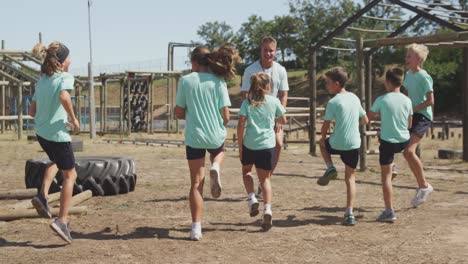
{"x":203,"y":101}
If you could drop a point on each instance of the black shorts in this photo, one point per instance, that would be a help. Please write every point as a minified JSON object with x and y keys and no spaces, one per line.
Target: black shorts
{"x":262,"y":159}
{"x":60,"y":153}
{"x":420,"y":124}
{"x":387,"y":151}
{"x":196,"y":153}
{"x":349,"y":157}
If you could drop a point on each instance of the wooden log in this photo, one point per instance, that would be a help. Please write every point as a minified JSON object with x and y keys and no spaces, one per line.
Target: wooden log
{"x":18,"y":194}
{"x":32,"y":213}
{"x":424,"y":39}
{"x":27,"y":203}
{"x":79,"y":198}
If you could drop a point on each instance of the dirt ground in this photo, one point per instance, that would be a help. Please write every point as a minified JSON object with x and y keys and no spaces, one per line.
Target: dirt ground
{"x":151,"y":225}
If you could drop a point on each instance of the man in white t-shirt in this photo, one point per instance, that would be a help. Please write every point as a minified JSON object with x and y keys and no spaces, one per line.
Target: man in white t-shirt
{"x":278,"y":82}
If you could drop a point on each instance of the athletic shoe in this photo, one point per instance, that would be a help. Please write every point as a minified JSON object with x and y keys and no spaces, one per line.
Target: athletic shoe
{"x":253,"y":207}
{"x":421,"y":195}
{"x":215,"y":181}
{"x":394,"y":172}
{"x":62,"y":230}
{"x":195,"y":235}
{"x":349,"y":220}
{"x":267,"y":222}
{"x":41,"y":205}
{"x":330,"y":174}
{"x":387,"y":216}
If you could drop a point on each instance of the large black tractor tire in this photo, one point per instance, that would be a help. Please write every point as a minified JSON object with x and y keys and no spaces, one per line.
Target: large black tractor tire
{"x":101,"y":175}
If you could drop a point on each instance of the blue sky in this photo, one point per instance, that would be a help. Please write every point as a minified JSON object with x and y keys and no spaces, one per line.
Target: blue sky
{"x":122,"y":31}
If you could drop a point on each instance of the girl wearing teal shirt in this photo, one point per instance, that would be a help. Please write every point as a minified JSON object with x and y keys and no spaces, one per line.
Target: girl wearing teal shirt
{"x":51,"y":107}
{"x":203,"y":101}
{"x":257,"y":116}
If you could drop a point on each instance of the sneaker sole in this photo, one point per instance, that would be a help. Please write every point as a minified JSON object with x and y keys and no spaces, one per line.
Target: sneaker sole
{"x":254,"y":209}
{"x":394,"y":175}
{"x":387,"y":221}
{"x":215,"y":184}
{"x":59,"y":231}
{"x":324,"y":180}
{"x":40,"y":208}
{"x":349,"y":224}
{"x":267,"y":223}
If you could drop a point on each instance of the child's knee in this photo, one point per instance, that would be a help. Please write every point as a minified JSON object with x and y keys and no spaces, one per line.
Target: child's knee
{"x":69,"y":174}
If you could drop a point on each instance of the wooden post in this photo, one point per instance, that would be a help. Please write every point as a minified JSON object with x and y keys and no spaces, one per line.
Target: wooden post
{"x":27,"y":203}
{"x":18,"y":194}
{"x":368,"y":91}
{"x":362,"y":92}
{"x":104,"y":87}
{"x":3,"y":96}
{"x":129,"y":108}
{"x":150,"y":104}
{"x":465,"y":104}
{"x":78,"y":103}
{"x":19,"y":108}
{"x":101,"y":106}
{"x":123,"y":82}
{"x":312,"y":101}
{"x":32,"y":213}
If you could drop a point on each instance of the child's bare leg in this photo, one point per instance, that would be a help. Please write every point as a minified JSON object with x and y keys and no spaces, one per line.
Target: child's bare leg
{"x":49,"y":175}
{"x":69,"y":178}
{"x":387,"y":186}
{"x":414,"y":162}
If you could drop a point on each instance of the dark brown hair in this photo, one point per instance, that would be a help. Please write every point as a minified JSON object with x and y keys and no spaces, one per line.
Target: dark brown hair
{"x":221,"y":62}
{"x":395,"y":76}
{"x":50,"y":61}
{"x":258,"y":88}
{"x":338,"y":74}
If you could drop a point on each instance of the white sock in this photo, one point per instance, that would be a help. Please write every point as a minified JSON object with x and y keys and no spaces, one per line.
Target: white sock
{"x":196,"y":226}
{"x":215,"y":166}
{"x":267,"y":207}
{"x":349,"y":211}
{"x":252,"y":196}
{"x":329,"y":164}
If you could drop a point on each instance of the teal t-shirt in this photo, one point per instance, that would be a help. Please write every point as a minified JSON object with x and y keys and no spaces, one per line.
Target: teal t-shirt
{"x":418,"y":85}
{"x":51,"y":118}
{"x":345,"y":109}
{"x":260,"y":132}
{"x":394,"y":109}
{"x":203,"y":95}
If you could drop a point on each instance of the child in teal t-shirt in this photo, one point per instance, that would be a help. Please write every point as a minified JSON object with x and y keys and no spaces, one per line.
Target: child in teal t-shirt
{"x":203,"y":101}
{"x":419,"y":85}
{"x":257,"y":116}
{"x":51,"y":107}
{"x":395,"y":112}
{"x":346,"y":110}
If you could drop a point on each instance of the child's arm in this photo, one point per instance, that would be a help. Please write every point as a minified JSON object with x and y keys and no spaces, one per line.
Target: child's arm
{"x":32,"y":109}
{"x":281,"y":120}
{"x":364,"y":120}
{"x":410,"y":121}
{"x":179,"y":112}
{"x":324,"y":130}
{"x":428,"y":103}
{"x":240,"y":133}
{"x":225,"y":114}
{"x":371,"y":115}
{"x":65,"y":99}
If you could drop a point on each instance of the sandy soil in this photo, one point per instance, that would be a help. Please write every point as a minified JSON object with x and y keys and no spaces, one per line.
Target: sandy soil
{"x":151,"y":225}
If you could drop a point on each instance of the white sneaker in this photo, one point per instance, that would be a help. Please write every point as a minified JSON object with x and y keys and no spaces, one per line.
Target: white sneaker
{"x":215,"y":181}
{"x":195,"y":235}
{"x":253,"y":207}
{"x":421,"y":195}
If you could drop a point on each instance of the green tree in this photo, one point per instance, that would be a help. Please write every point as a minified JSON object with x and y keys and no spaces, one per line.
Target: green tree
{"x":215,"y":34}
{"x":285,"y":29}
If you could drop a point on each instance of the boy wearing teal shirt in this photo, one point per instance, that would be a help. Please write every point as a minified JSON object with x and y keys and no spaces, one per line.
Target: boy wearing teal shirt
{"x":346,"y":110}
{"x":419,"y":85}
{"x":257,"y":116}
{"x":395,"y":110}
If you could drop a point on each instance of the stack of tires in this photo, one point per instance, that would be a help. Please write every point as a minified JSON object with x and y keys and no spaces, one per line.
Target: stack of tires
{"x":101,"y":175}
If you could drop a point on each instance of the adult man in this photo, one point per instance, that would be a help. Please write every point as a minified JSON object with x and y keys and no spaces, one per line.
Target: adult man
{"x":278,"y":82}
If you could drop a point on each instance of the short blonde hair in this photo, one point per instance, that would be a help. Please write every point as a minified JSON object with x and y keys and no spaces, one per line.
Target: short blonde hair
{"x":420,"y":50}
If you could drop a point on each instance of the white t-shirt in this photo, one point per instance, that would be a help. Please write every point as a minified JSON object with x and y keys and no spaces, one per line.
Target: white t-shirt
{"x":277,"y":73}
